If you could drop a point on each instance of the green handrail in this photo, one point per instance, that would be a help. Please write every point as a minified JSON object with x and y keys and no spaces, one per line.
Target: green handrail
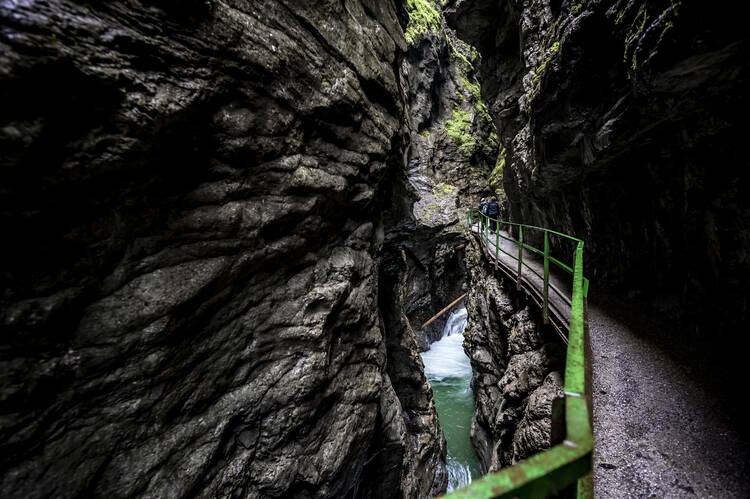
{"x":565,"y":467}
{"x":546,"y":277}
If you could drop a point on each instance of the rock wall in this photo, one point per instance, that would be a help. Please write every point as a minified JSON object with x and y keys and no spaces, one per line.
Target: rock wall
{"x":622,"y":124}
{"x":192,"y":209}
{"x":518,"y":365}
{"x":451,"y":146}
{"x":452,"y":150}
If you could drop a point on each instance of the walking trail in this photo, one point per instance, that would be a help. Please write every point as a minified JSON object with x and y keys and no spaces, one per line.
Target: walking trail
{"x":660,"y":432}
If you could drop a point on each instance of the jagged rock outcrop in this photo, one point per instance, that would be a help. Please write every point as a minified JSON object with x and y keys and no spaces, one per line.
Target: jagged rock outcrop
{"x":622,"y":124}
{"x":422,"y":267}
{"x":191,"y":249}
{"x":452,"y":150}
{"x":517,"y":368}
{"x":406,"y":371}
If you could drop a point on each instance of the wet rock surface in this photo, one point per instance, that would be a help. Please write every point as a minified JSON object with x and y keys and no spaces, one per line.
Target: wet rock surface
{"x":517,"y":369}
{"x":422,"y":266}
{"x":191,"y":256}
{"x":621,"y":125}
{"x":225,"y":222}
{"x":452,"y":147}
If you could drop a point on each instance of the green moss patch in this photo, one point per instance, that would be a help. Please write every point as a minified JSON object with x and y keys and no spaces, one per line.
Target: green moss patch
{"x":458,"y":128}
{"x":442,"y":190}
{"x":496,"y":177}
{"x":423,"y":18}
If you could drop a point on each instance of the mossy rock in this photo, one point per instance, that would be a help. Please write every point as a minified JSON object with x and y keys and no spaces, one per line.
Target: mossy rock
{"x":442,"y":190}
{"x":424,"y":18}
{"x":458,"y":128}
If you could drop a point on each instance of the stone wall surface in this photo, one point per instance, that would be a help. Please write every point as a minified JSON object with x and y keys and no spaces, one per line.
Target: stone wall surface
{"x":621,"y":123}
{"x":518,"y":368}
{"x":192,"y":237}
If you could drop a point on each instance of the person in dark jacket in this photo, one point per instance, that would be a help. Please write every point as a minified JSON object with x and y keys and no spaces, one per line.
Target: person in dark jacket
{"x":482,"y":211}
{"x":493,"y":210}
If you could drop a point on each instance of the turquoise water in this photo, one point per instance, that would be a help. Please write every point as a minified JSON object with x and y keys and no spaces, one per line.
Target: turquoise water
{"x":449,"y":372}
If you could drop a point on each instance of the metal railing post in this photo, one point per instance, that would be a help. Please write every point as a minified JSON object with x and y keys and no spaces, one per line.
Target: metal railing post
{"x":497,"y":239}
{"x":520,"y":256}
{"x":565,"y":467}
{"x":546,"y":277}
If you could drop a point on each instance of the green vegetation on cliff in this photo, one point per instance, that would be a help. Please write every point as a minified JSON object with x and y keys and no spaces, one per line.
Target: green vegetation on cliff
{"x":458,"y":128}
{"x":476,"y":91}
{"x":423,"y":18}
{"x":496,"y":177}
{"x":442,"y":190}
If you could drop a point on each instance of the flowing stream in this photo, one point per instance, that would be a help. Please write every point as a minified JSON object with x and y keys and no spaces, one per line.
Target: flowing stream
{"x":449,"y":372}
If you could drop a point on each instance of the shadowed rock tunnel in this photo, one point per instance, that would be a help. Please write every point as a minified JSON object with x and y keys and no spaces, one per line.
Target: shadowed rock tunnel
{"x":225,"y":221}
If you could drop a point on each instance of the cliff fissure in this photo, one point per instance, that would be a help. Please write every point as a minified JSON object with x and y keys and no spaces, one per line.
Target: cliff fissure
{"x":226,"y":222}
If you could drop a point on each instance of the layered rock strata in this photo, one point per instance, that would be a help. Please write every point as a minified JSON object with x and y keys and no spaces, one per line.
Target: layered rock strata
{"x":621,"y":123}
{"x":191,"y":251}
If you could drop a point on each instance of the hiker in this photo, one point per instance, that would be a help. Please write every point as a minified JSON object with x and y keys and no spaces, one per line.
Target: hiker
{"x":482,"y":210}
{"x":493,"y":210}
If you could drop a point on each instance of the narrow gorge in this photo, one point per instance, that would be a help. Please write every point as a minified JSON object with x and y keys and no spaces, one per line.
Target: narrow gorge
{"x":243,"y":254}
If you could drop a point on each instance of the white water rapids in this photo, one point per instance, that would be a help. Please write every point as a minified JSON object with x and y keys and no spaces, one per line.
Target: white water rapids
{"x":449,"y":372}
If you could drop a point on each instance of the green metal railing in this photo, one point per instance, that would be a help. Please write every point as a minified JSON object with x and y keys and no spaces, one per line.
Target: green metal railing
{"x":564,"y":468}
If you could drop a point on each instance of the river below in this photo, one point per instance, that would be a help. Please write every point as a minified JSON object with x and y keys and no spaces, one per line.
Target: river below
{"x":449,"y":372}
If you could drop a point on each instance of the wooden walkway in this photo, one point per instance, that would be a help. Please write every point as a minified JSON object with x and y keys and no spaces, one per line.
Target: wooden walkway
{"x":532,"y":277}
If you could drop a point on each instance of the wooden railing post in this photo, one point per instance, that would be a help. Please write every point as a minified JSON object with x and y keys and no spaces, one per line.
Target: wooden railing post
{"x":443,"y":310}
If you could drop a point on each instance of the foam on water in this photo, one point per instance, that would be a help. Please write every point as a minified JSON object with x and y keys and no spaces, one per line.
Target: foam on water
{"x":449,"y":371}
{"x":446,"y":357}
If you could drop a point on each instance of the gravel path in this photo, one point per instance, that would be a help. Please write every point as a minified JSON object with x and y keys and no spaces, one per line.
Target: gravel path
{"x":661,"y":429}
{"x":659,"y":433}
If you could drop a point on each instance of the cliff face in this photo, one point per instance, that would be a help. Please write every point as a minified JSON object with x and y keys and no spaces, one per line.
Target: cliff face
{"x":451,"y":145}
{"x":191,"y":255}
{"x":518,"y":366}
{"x":224,"y":223}
{"x":452,"y":149}
{"x":621,"y":124}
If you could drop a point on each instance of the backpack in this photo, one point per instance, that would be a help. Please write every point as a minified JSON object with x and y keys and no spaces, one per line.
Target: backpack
{"x":492,"y":208}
